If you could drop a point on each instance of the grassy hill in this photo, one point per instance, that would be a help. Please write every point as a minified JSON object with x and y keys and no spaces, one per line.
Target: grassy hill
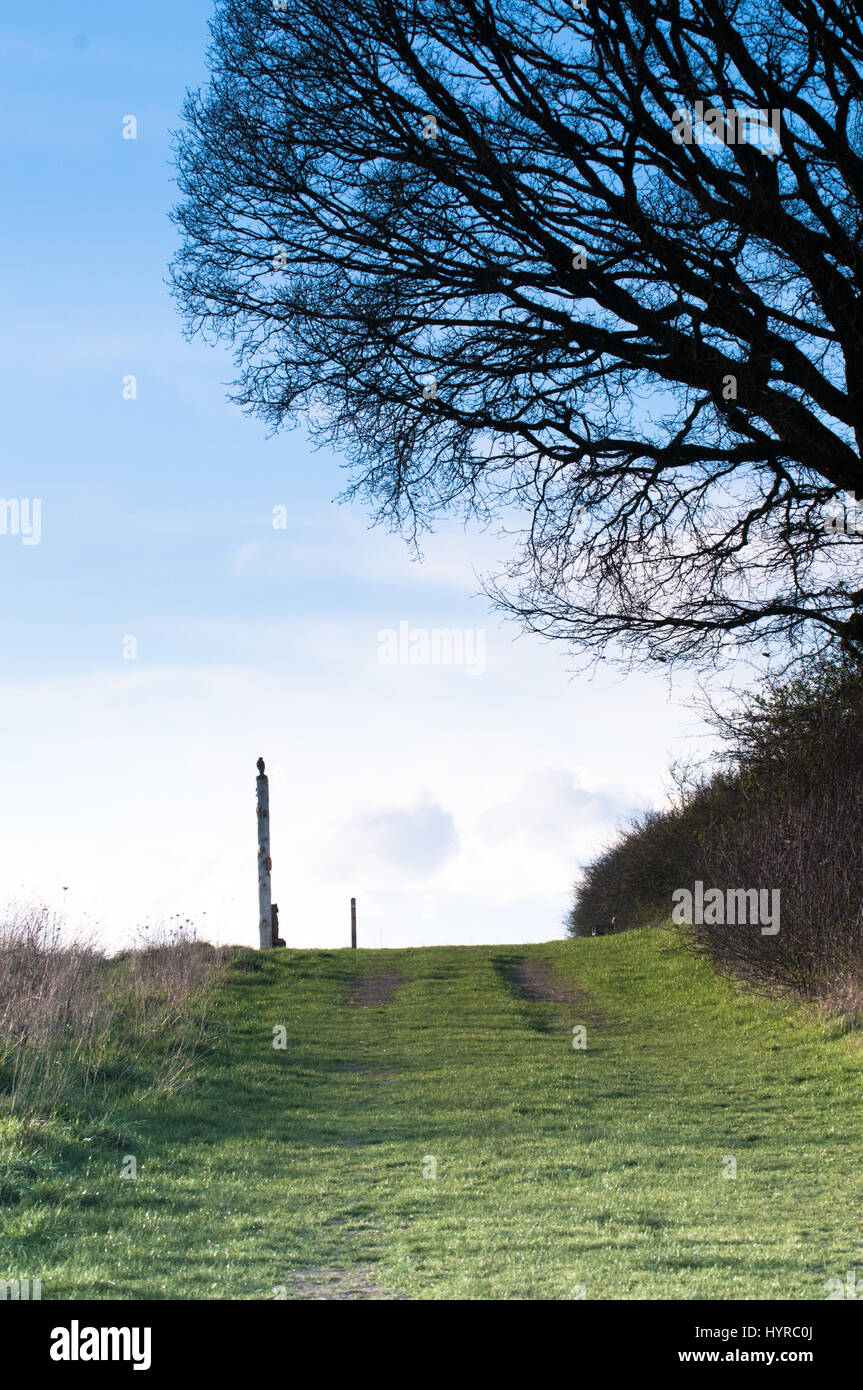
{"x":305,"y":1171}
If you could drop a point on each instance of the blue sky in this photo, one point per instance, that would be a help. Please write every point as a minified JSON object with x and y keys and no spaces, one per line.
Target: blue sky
{"x":455,"y":805}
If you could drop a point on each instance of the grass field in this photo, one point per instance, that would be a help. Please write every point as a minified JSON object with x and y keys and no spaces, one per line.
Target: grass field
{"x":561,"y":1172}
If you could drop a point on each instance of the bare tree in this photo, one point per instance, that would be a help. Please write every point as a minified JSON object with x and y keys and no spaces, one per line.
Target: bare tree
{"x":488,"y":250}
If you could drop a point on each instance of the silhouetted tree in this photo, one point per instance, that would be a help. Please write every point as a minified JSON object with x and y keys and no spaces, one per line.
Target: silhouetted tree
{"x":487,"y":249}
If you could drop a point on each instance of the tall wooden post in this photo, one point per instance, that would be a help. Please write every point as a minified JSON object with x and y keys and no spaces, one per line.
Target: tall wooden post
{"x":265,"y":864}
{"x":353,"y":922}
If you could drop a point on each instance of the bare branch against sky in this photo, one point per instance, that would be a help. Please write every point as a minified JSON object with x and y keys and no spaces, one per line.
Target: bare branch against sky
{"x":596,"y":266}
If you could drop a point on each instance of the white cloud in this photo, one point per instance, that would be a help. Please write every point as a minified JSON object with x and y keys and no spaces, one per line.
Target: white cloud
{"x":329,"y":543}
{"x":416,"y":841}
{"x":453,"y":809}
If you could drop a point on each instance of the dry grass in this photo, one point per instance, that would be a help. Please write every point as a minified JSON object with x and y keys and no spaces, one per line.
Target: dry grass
{"x":71,"y":1018}
{"x":842,"y":999}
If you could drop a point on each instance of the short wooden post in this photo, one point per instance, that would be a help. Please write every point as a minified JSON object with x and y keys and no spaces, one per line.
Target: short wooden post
{"x":277,"y":940}
{"x":353,"y":922}
{"x":265,"y":864}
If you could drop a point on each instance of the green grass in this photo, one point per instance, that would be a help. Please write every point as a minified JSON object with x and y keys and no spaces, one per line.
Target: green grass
{"x":285,"y":1173}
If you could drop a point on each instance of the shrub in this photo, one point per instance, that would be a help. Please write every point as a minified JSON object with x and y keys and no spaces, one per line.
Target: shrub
{"x":783,"y":813}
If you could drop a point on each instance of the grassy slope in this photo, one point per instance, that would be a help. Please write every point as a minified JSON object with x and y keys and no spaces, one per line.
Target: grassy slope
{"x":556,"y":1168}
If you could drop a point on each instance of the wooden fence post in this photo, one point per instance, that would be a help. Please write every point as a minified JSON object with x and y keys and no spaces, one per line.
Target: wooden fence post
{"x":265,"y":864}
{"x":353,"y":922}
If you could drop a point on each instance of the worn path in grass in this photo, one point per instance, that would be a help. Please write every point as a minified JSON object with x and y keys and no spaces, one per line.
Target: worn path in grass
{"x":429,"y":1131}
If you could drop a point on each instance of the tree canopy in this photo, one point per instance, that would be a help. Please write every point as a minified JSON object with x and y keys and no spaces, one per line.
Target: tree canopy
{"x":487,"y":249}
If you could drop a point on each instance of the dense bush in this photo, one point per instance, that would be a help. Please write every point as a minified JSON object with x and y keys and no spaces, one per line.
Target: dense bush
{"x":784,"y":814}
